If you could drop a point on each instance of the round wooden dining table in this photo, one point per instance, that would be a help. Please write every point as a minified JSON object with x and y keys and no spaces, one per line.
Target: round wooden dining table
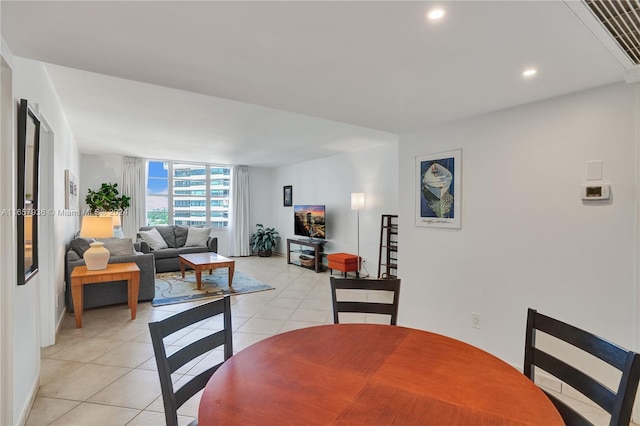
{"x":366,"y":374}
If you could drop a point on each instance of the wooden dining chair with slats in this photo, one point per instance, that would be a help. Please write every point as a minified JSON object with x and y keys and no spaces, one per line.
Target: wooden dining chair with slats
{"x":167,"y":365}
{"x":618,"y":403}
{"x":342,"y":305}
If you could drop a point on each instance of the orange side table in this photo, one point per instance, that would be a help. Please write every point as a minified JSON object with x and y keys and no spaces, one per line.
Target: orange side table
{"x":114,"y":272}
{"x":344,"y":262}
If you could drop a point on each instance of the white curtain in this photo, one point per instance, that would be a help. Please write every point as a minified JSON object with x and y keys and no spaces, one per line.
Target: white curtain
{"x":133,"y":185}
{"x":240,"y":231}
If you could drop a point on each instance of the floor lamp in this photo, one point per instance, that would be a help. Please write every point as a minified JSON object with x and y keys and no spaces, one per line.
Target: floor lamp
{"x":357,"y":204}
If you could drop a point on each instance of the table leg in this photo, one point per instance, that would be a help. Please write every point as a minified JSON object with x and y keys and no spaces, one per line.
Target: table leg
{"x":231,"y":267}
{"x":134,"y":290}
{"x":76,"y":294}
{"x":199,"y":277}
{"x":181,"y":267}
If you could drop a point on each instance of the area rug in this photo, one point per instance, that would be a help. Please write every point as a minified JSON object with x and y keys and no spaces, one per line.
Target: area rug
{"x":172,"y":288}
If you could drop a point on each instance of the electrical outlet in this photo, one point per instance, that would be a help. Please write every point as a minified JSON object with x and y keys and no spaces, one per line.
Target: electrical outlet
{"x":475,"y":320}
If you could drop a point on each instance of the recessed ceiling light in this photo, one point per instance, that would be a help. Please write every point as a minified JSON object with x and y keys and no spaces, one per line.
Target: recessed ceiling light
{"x":435,"y":14}
{"x":529,"y":72}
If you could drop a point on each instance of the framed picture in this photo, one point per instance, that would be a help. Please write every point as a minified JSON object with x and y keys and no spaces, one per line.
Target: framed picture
{"x":71,"y":191}
{"x":287,"y":195}
{"x":438,"y":193}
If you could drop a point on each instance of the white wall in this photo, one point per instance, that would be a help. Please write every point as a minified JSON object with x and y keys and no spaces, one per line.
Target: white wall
{"x":8,"y":265}
{"x":330,"y":181}
{"x":96,"y":170}
{"x":263,"y":196}
{"x":527,"y":239}
{"x":31,"y":82}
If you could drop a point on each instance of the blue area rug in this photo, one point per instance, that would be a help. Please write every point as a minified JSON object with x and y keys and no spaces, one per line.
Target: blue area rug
{"x":172,"y":288}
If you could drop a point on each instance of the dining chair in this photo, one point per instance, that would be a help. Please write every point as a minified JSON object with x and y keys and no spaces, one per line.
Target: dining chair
{"x":168,"y":364}
{"x":345,"y":305}
{"x":618,"y":403}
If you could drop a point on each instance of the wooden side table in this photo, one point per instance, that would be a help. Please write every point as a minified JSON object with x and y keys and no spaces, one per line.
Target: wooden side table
{"x":115,"y":272}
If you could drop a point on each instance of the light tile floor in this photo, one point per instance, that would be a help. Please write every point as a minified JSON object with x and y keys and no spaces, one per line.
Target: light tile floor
{"x":105,"y":373}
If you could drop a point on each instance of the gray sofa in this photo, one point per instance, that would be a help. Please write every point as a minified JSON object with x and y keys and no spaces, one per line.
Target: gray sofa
{"x":175,"y":236}
{"x":110,"y":293}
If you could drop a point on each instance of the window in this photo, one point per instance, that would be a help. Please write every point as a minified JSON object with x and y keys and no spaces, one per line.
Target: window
{"x":188,"y":194}
{"x":157,"y":193}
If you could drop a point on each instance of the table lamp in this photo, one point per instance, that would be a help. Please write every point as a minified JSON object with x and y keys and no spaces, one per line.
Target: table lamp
{"x":97,"y":256}
{"x":357,"y":203}
{"x":117,"y":222}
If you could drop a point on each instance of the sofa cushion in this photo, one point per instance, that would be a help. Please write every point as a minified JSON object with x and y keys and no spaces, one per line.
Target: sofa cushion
{"x":166,"y":253}
{"x":197,"y":237}
{"x":80,"y":245}
{"x":168,"y":233}
{"x":118,"y":246}
{"x":72,"y":255}
{"x":181,"y":235}
{"x":154,"y":239}
{"x":187,"y":250}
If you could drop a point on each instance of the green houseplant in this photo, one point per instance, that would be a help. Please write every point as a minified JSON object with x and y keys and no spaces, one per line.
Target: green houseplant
{"x":107,"y":199}
{"x":264,"y":239}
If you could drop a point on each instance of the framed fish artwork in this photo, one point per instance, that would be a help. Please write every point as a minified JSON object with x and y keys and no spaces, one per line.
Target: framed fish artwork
{"x":438,"y":189}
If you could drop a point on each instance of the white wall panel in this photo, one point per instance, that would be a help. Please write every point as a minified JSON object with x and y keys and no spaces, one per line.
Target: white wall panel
{"x":527,"y":239}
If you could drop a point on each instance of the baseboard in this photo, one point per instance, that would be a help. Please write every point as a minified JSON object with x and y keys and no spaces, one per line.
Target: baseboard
{"x":24,"y":415}
{"x":60,"y":322}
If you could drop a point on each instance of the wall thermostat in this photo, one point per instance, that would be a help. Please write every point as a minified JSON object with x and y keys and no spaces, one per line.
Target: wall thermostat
{"x":595,"y":192}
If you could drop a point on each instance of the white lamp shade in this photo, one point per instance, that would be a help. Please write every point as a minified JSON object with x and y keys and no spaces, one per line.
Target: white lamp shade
{"x":357,"y":200}
{"x":115,"y":216}
{"x":97,"y":227}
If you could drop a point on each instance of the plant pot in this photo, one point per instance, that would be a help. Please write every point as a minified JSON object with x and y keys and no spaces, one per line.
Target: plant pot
{"x":264,"y":253}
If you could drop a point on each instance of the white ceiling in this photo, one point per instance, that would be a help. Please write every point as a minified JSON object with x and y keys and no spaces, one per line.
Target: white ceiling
{"x":274,"y":82}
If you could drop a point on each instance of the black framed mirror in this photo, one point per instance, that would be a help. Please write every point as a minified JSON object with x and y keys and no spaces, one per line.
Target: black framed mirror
{"x":27,"y":199}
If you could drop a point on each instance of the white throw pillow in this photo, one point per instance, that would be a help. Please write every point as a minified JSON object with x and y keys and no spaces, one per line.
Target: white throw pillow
{"x":154,"y":239}
{"x":197,"y":237}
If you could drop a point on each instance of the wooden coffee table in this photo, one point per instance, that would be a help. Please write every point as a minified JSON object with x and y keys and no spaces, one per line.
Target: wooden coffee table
{"x":114,"y":272}
{"x":210,"y":261}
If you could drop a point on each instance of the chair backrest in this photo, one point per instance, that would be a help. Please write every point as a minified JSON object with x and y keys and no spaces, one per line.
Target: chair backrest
{"x":618,"y":403}
{"x":167,"y":365}
{"x":391,"y":285}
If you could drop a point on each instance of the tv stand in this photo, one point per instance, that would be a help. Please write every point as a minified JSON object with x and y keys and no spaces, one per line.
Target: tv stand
{"x":316,"y":253}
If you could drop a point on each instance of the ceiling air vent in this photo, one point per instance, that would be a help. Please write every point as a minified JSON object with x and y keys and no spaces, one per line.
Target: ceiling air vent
{"x":621,"y":18}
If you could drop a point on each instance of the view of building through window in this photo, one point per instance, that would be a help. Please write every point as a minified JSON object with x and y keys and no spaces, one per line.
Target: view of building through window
{"x":188,"y":194}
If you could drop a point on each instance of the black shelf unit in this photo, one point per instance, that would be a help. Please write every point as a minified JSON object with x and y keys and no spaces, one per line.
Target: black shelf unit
{"x":316,"y":253}
{"x":388,"y":257}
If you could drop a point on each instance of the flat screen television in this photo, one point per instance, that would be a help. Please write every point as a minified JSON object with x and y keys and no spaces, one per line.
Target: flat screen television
{"x":309,"y":221}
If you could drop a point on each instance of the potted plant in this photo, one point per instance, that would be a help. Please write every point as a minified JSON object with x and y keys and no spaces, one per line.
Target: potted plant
{"x":264,"y":240}
{"x":107,"y":199}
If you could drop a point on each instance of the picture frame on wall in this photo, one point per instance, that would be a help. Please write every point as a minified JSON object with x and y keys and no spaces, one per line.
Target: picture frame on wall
{"x":438,"y":189}
{"x":71,"y":191}
{"x":287,"y":196}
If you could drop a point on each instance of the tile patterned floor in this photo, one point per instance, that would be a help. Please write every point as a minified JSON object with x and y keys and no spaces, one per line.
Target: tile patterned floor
{"x":105,"y":373}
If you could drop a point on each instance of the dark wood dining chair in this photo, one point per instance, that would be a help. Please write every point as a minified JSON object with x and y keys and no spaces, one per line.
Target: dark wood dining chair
{"x":167,"y":365}
{"x":391,"y":285}
{"x":618,"y":403}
